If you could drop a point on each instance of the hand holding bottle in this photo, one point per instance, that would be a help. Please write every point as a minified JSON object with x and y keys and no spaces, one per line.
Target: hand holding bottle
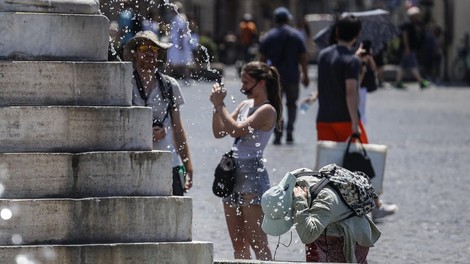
{"x":307,"y":101}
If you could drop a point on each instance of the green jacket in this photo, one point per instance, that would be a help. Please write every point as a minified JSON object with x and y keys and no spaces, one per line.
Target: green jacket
{"x":327,"y":210}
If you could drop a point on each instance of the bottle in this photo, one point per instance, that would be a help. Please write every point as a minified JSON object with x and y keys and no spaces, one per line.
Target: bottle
{"x":304,"y":107}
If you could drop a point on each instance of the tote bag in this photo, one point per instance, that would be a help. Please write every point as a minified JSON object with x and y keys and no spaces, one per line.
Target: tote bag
{"x":332,"y":152}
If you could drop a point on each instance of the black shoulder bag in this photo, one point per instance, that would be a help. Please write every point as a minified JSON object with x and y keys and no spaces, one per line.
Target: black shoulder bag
{"x":224,"y":175}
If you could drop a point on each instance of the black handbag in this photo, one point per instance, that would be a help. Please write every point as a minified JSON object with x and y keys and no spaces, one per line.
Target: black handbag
{"x":224,"y":176}
{"x":358,"y":160}
{"x":370,"y":80}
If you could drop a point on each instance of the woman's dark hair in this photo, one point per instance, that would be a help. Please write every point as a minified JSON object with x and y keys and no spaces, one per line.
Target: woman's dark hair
{"x":348,"y":27}
{"x":262,"y":71}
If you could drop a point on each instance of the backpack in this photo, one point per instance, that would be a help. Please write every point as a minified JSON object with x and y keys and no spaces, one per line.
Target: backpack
{"x":354,"y":188}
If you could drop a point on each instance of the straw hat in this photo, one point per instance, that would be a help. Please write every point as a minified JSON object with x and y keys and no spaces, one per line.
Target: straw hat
{"x":140,"y":37}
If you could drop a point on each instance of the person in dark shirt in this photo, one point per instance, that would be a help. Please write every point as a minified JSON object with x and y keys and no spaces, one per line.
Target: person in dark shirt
{"x":412,"y":38}
{"x":338,"y":77}
{"x":338,"y":115}
{"x":284,"y":48}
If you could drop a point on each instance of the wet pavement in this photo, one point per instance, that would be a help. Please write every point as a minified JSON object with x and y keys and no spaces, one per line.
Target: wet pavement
{"x":426,"y":174}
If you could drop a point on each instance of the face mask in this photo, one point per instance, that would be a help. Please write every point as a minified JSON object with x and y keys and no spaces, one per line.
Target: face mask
{"x":248,"y":92}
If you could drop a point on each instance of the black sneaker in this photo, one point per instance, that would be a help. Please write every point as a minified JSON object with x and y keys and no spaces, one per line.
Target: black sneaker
{"x":277,"y":141}
{"x":290,"y":138}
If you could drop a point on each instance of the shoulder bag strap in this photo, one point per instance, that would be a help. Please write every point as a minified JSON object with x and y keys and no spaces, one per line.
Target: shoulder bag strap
{"x":140,"y":87}
{"x":361,"y":146}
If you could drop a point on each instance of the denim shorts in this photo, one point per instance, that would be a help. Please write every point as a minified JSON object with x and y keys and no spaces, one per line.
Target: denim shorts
{"x":252,"y":178}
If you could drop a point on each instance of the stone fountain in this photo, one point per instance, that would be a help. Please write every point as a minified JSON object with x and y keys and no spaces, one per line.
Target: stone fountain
{"x":79,"y":180}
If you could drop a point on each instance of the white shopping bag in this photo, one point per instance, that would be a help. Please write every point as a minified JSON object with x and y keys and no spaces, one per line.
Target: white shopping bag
{"x":332,"y":152}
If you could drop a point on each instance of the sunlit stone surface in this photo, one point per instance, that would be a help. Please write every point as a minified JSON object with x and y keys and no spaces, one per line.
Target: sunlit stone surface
{"x":74,"y":129}
{"x":89,"y":174}
{"x":48,"y":36}
{"x":65,"y":83}
{"x":51,"y":6}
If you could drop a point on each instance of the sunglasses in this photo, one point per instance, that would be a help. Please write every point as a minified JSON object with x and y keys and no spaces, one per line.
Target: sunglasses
{"x":145,"y":48}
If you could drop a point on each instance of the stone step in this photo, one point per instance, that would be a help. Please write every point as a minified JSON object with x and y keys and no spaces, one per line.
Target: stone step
{"x":75,"y":129}
{"x":51,"y":6}
{"x":194,"y":252}
{"x":65,"y":83}
{"x":49,"y":36}
{"x":91,"y":174}
{"x":95,"y":220}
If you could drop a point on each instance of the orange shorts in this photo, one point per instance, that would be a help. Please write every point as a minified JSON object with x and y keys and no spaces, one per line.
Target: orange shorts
{"x":338,"y":131}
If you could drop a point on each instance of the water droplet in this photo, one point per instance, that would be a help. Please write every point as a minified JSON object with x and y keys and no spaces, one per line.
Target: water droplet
{"x":17,"y":239}
{"x":6,"y":214}
{"x":23,"y":259}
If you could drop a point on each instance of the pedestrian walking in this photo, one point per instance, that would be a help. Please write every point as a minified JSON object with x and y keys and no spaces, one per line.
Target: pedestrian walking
{"x":284,"y":48}
{"x":338,"y":115}
{"x":128,"y":26}
{"x":338,"y":80}
{"x":247,"y":36}
{"x":411,"y":41}
{"x":153,"y":22}
{"x":252,"y":123}
{"x":180,"y":54}
{"x":163,"y":94}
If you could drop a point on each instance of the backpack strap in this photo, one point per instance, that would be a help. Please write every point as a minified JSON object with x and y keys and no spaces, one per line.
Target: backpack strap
{"x":324,"y":181}
{"x":308,"y":173}
{"x":316,"y":188}
{"x":166,"y":89}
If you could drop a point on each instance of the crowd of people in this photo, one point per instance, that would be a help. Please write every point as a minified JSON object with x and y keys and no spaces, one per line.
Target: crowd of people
{"x":267,"y":81}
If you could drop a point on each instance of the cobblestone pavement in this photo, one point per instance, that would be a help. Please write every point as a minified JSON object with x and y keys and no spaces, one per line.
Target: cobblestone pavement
{"x":426,"y":174}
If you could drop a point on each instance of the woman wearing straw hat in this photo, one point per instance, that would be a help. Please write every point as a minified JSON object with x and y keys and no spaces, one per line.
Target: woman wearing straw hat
{"x":325,"y":225}
{"x":163,"y":94}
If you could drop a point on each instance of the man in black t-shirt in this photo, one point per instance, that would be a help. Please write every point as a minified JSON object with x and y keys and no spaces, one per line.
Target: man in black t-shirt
{"x":338,"y":75}
{"x":338,"y":98}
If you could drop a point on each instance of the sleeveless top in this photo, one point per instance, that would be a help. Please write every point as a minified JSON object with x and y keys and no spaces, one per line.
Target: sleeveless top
{"x":253,"y":144}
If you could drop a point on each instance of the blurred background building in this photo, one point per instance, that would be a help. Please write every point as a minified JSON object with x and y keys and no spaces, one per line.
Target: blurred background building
{"x":217,"y":21}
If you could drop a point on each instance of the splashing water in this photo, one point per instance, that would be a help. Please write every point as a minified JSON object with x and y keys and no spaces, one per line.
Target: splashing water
{"x":132,"y":15}
{"x":16,"y":239}
{"x":6,"y":214}
{"x":23,"y":259}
